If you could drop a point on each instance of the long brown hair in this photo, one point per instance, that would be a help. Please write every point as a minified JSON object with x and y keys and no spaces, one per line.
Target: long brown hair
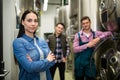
{"x":21,"y":28}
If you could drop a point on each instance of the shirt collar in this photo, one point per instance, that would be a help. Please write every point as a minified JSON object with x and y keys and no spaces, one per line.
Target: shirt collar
{"x":29,"y":38}
{"x":58,"y":36}
{"x":81,"y":32}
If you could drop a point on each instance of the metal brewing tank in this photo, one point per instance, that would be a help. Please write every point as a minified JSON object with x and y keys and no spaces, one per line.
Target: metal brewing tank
{"x":107,"y":53}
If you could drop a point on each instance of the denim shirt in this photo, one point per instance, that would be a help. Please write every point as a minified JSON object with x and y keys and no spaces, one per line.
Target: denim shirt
{"x":30,"y":70}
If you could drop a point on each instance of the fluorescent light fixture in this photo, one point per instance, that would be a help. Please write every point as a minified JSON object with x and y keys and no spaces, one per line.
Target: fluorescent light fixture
{"x":45,"y":5}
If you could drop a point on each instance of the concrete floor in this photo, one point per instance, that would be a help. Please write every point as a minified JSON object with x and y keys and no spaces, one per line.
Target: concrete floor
{"x":68,"y":75}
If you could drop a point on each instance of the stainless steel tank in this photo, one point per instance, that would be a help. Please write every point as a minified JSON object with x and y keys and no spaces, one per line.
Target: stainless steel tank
{"x":107,"y":53}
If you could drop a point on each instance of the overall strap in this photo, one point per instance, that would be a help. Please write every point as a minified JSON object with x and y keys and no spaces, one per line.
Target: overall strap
{"x":77,"y":54}
{"x":93,"y":34}
{"x":79,"y":38}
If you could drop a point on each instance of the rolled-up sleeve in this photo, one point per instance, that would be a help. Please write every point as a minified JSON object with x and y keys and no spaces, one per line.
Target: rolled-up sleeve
{"x":103,"y":35}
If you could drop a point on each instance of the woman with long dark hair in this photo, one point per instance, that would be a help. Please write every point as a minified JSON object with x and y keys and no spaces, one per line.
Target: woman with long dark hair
{"x":32,"y":53}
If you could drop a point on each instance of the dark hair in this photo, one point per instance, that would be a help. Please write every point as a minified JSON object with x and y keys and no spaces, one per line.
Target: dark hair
{"x":21,"y":28}
{"x":84,"y":18}
{"x":60,"y":24}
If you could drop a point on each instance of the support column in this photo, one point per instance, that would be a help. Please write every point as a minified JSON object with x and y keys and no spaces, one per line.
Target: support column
{"x":79,"y":13}
{"x":1,"y":41}
{"x":1,"y":31}
{"x":90,"y":8}
{"x":86,"y":7}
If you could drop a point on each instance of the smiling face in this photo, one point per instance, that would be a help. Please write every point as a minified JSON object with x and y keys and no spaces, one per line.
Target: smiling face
{"x":86,"y":24}
{"x":59,"y":29}
{"x":30,"y":23}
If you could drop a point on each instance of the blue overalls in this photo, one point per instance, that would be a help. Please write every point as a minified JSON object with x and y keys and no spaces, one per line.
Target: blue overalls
{"x":84,"y":65}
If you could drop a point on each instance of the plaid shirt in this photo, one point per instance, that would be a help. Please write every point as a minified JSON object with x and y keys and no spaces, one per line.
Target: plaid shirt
{"x":58,"y":50}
